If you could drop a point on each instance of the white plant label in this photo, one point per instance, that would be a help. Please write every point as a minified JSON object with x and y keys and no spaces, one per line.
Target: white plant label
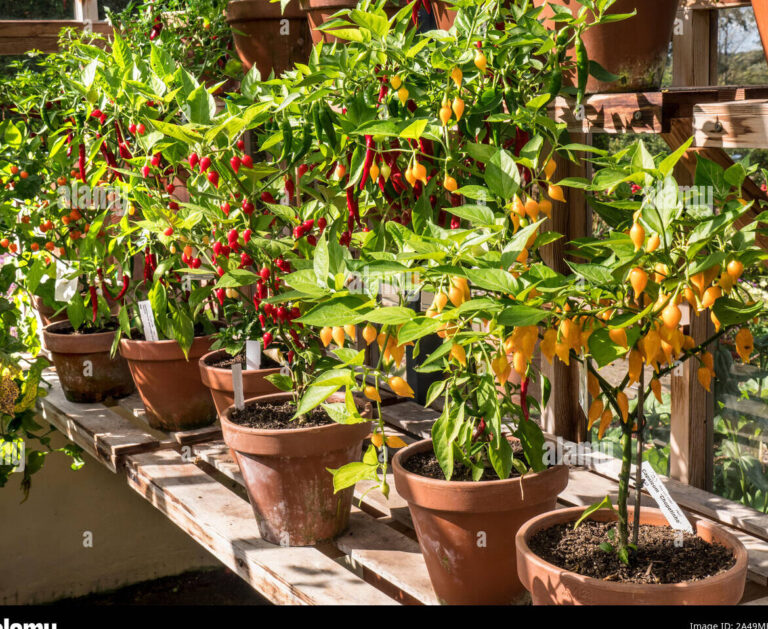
{"x":584,"y":385}
{"x":667,"y":504}
{"x":253,"y":355}
{"x":148,"y":321}
{"x":237,"y":385}
{"x":64,"y":289}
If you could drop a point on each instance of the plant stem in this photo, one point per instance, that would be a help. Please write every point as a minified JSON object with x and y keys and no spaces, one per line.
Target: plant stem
{"x":638,"y":471}
{"x":626,"y":468}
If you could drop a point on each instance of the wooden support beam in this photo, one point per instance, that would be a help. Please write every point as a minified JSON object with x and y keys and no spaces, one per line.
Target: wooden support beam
{"x":87,"y":10}
{"x":611,"y":113}
{"x":734,"y":124}
{"x":695,"y":48}
{"x":17,"y":37}
{"x":714,"y":5}
{"x":691,"y":445}
{"x":563,"y":415}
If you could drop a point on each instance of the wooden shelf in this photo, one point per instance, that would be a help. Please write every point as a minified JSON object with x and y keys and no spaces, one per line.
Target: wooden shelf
{"x":646,"y":112}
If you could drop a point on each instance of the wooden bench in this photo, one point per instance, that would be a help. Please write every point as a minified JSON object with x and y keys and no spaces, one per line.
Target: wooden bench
{"x":194,"y":481}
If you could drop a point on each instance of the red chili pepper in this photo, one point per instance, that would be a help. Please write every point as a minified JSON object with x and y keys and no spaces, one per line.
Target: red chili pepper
{"x":290,"y":190}
{"x":267,"y":197}
{"x":524,"y":397}
{"x":109,"y":157}
{"x":368,"y":159}
{"x":382,"y":91}
{"x":415,"y":14}
{"x":81,"y":161}
{"x":94,"y":301}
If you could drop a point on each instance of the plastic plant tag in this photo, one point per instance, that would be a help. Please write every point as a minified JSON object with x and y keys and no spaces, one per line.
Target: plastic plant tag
{"x":64,"y":289}
{"x":253,"y":355}
{"x":584,"y":385}
{"x":667,"y":504}
{"x":148,"y":321}
{"x":237,"y":385}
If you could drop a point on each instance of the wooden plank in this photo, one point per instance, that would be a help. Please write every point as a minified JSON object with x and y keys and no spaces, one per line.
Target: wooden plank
{"x":87,"y":10}
{"x":17,"y":37}
{"x":563,"y":414}
{"x":102,"y":433}
{"x":411,"y":418}
{"x":732,"y":124}
{"x":611,"y":113}
{"x":694,"y":46}
{"x":714,"y":5}
{"x":390,"y":554}
{"x":224,"y":525}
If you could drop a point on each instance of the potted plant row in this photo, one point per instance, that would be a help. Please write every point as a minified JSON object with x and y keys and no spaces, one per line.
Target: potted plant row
{"x":417,"y":161}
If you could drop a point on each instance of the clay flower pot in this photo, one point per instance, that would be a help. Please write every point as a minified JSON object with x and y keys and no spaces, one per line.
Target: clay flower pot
{"x":285,"y":473}
{"x":174,"y":396}
{"x":86,"y":371}
{"x":634,"y":49}
{"x":268,"y":38}
{"x":318,"y":12}
{"x":760,"y":8}
{"x":550,"y":585}
{"x":46,"y":313}
{"x":443,"y":17}
{"x":219,"y":381}
{"x":466,"y":530}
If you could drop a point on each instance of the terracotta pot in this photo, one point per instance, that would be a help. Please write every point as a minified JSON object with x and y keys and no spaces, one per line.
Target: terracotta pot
{"x":264,"y":36}
{"x":174,"y":396}
{"x":318,"y":12}
{"x":466,"y":530}
{"x":46,"y":313}
{"x":285,"y":473}
{"x":760,"y":8}
{"x":443,"y":16}
{"x":219,"y":381}
{"x":86,"y":371}
{"x":634,"y":49}
{"x":550,"y":585}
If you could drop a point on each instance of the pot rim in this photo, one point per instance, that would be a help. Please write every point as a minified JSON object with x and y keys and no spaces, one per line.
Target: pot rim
{"x":223,"y":371}
{"x":540,"y":522}
{"x":239,"y":11}
{"x":50,"y":329}
{"x":271,"y":432}
{"x":440,"y":483}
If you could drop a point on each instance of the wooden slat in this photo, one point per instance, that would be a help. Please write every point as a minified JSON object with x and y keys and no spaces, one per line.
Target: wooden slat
{"x":390,"y":554}
{"x":18,"y":37}
{"x":223,"y":524}
{"x":87,"y":10}
{"x":694,"y":46}
{"x":105,"y":435}
{"x":732,"y":124}
{"x":611,"y":113}
{"x":714,"y":5}
{"x":410,"y":417}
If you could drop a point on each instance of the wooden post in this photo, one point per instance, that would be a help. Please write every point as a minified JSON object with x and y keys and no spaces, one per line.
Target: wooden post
{"x":694,"y":45}
{"x":692,"y":412}
{"x":87,"y":10}
{"x":563,"y":415}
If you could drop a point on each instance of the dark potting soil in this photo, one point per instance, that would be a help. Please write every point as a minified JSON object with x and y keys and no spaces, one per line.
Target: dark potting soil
{"x":426,"y":464}
{"x":227,"y":361}
{"x":69,"y":330}
{"x":657,"y":559}
{"x":277,"y":416}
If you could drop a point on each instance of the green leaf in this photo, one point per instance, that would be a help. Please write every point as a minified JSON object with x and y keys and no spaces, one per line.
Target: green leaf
{"x":393,"y":315}
{"x":532,"y":440}
{"x":475,"y":214}
{"x":605,"y":503}
{"x":284,"y":383}
{"x":200,"y":107}
{"x":314,"y":396}
{"x":348,"y":475}
{"x":596,"y":274}
{"x":522,"y":315}
{"x":731,"y":312}
{"x":237,"y":277}
{"x":76,"y":311}
{"x":501,"y":458}
{"x":502,"y":175}
{"x":340,"y":311}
